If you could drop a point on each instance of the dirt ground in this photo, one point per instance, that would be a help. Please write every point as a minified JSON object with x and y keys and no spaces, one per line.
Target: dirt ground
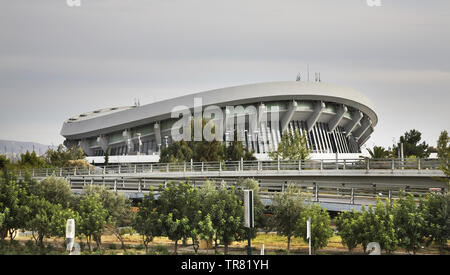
{"x":273,"y":244}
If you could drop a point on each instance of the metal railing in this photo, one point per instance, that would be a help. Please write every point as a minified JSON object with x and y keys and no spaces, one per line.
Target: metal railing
{"x":242,"y":166}
{"x":315,"y":192}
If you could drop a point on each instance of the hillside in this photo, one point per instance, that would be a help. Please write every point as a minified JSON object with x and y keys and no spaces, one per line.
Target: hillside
{"x":10,"y":147}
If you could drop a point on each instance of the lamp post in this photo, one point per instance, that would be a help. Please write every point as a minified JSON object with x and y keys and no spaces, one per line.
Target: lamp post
{"x":139,"y":143}
{"x":166,"y":138}
{"x":227,"y":138}
{"x":256,"y":141}
{"x":248,"y":138}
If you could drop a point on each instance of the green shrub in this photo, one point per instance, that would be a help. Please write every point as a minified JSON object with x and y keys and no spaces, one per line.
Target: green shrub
{"x":160,"y":250}
{"x":139,"y":247}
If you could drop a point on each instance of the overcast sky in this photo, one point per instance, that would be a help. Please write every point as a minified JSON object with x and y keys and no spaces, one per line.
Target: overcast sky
{"x":58,"y":61}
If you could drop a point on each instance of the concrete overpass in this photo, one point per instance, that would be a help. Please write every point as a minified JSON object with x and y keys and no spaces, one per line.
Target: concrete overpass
{"x":336,"y":184}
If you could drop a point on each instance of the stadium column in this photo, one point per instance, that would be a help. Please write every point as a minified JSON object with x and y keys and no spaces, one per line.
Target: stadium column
{"x":127,"y":136}
{"x":351,"y":126}
{"x":262,"y":125}
{"x":365,"y":136}
{"x":103,"y":142}
{"x":365,"y":125}
{"x":334,"y":121}
{"x":84,"y":145}
{"x":288,"y":115}
{"x":158,"y":135}
{"x":228,"y":124}
{"x":312,"y":120}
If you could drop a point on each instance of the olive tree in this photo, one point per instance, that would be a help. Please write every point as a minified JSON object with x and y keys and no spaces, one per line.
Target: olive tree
{"x":320,"y":226}
{"x":147,"y":220}
{"x":287,"y":208}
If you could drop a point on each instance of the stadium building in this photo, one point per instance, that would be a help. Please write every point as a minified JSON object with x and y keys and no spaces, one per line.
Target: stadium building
{"x":337,"y":120}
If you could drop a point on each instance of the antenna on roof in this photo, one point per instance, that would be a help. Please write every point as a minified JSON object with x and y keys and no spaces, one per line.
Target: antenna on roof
{"x":317,"y":77}
{"x":307,"y":68}
{"x":137,"y":103}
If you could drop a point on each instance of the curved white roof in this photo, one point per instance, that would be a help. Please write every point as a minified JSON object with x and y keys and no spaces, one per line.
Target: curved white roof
{"x":251,"y":93}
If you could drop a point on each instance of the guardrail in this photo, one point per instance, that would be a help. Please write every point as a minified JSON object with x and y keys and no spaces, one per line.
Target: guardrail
{"x":330,"y":192}
{"x":280,"y":165}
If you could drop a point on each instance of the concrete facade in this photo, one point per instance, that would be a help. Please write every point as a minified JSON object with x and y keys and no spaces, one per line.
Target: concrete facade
{"x":337,"y":120}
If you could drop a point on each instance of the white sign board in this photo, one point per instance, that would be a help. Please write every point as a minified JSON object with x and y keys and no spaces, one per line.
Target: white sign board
{"x":248,"y":209}
{"x":308,"y":229}
{"x":70,"y":229}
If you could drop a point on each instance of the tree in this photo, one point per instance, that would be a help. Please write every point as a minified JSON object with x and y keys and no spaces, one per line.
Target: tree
{"x":383,"y":226}
{"x":348,"y":228}
{"x":222,"y":214}
{"x":93,"y":217}
{"x":4,"y":162}
{"x":211,"y":212}
{"x":228,"y":217}
{"x":108,"y":150}
{"x":118,"y":211}
{"x":178,"y":151}
{"x":62,"y":156}
{"x":409,"y":222}
{"x":365,"y":227}
{"x":45,"y":218}
{"x":2,"y":217}
{"x":31,"y":160}
{"x":204,"y":151}
{"x":55,"y":190}
{"x":14,"y":199}
{"x":237,"y":151}
{"x":287,"y":208}
{"x":378,"y":152}
{"x":443,"y":151}
{"x":206,"y":229}
{"x":320,"y":226}
{"x":178,"y":210}
{"x":147,"y":220}
{"x":293,"y":146}
{"x":437,"y":219}
{"x":411,"y":145}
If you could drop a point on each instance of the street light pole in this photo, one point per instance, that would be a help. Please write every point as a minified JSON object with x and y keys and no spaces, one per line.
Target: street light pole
{"x":256,"y":141}
{"x":139,"y":143}
{"x":167,"y":144}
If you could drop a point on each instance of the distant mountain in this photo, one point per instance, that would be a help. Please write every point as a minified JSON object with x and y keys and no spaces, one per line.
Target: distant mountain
{"x":10,"y":147}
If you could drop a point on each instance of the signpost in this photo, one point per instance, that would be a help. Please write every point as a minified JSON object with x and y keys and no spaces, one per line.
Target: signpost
{"x":308,"y":233}
{"x":249,"y":216}
{"x":70,"y":234}
{"x":70,"y":238}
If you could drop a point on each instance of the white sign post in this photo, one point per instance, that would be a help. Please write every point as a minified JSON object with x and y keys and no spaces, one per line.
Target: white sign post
{"x":70,"y":238}
{"x":249,"y":220}
{"x":308,"y":233}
